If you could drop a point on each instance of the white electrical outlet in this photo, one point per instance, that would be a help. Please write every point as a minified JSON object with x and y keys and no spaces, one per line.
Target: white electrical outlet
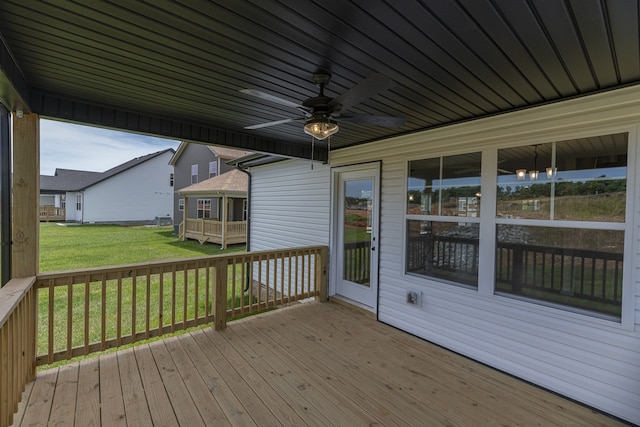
{"x":413,"y":297}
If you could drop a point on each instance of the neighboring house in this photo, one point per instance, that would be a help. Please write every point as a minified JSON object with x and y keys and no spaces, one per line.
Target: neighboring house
{"x":193,"y":163}
{"x":227,"y":224}
{"x":139,"y":191}
{"x":509,"y":239}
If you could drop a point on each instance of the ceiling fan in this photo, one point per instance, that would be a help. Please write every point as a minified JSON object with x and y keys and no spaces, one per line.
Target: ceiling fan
{"x":321,"y":113}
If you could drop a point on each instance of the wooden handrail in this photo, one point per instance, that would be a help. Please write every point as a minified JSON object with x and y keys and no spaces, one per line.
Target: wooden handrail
{"x":89,"y":310}
{"x":17,"y":343}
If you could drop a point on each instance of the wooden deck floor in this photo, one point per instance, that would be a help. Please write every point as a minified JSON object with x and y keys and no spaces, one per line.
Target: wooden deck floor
{"x":309,"y":364}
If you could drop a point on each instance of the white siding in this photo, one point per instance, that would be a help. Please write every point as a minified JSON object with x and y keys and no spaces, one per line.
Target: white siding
{"x":71,"y":213}
{"x":290,"y":205}
{"x":588,"y":359}
{"x":137,"y":194}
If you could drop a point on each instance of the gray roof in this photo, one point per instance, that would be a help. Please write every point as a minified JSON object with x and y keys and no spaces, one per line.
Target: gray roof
{"x":76,"y":180}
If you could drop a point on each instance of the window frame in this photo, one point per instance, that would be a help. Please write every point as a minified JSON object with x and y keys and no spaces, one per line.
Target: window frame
{"x":439,"y":219}
{"x":202,"y":209}
{"x":215,"y":172}
{"x":194,"y":174}
{"x":181,"y":204}
{"x":79,"y":202}
{"x":489,"y":221}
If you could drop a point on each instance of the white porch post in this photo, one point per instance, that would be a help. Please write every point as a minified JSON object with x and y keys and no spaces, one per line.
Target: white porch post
{"x":185,"y":215}
{"x":224,"y":222}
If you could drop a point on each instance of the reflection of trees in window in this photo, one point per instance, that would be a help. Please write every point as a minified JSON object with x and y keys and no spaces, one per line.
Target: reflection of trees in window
{"x":575,"y":265}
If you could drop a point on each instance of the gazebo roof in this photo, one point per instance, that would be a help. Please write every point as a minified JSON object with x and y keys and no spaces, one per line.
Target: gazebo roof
{"x":232,"y":183}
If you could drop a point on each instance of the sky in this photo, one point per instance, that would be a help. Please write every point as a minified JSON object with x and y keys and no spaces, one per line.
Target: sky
{"x":70,"y":146}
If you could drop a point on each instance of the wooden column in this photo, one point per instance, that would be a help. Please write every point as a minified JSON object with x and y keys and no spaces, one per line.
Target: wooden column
{"x":26,"y":195}
{"x":185,"y":215}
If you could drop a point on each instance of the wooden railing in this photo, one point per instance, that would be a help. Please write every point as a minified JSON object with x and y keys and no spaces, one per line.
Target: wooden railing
{"x":210,"y":230}
{"x":440,"y":255}
{"x":52,"y":213}
{"x":357,"y":261}
{"x":17,"y":344}
{"x":581,"y":278}
{"x":589,"y":275}
{"x":91,"y":310}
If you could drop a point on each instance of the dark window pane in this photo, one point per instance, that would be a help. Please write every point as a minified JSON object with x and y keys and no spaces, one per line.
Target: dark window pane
{"x":578,"y":268}
{"x":574,"y":180}
{"x":447,"y":186}
{"x":443,"y":250}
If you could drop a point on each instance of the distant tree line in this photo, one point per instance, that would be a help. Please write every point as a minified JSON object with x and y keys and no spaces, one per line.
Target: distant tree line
{"x":563,"y":188}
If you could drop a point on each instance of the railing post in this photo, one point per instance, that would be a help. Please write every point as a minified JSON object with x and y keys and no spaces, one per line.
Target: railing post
{"x":220,"y":296}
{"x":322,"y":274}
{"x":518,"y":278}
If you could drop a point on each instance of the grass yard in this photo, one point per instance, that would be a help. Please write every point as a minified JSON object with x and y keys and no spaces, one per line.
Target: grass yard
{"x":85,"y":246}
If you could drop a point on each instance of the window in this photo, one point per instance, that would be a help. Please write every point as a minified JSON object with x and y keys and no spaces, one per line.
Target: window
{"x":204,"y":208}
{"x":554,"y":224}
{"x":443,"y":209}
{"x":181,"y":205}
{"x":170,"y":180}
{"x":63,"y":201}
{"x":578,"y":262}
{"x":213,"y":169}
{"x":194,"y":174}
{"x":244,"y":209}
{"x":78,"y":202}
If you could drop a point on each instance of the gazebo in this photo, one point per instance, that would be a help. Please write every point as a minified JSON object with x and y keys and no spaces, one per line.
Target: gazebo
{"x":223,"y":222}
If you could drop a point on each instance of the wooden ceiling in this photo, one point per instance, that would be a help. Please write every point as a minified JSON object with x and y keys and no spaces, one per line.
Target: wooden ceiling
{"x":175,"y":68}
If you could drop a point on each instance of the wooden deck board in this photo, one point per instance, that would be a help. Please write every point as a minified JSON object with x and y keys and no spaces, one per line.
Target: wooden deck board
{"x":202,"y":396}
{"x":185,"y":409}
{"x":88,"y":397}
{"x":275,"y":375}
{"x":63,"y":408}
{"x":233,"y":408}
{"x":133,"y":394}
{"x":247,"y":383}
{"x":158,"y":400}
{"x":309,"y":364}
{"x":384,"y":403}
{"x":112,"y":411}
{"x":38,"y":407}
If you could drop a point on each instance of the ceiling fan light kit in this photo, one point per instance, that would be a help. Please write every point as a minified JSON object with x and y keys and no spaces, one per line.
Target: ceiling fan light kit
{"x":321,"y":128}
{"x":321,"y":113}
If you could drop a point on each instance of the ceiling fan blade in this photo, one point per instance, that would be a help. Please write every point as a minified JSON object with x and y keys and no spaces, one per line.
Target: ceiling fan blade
{"x":277,"y":122}
{"x":369,"y":87}
{"x":393,"y":122}
{"x":272,"y":98}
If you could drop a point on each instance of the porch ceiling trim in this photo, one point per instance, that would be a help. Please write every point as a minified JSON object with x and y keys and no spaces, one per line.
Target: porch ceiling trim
{"x":50,"y":105}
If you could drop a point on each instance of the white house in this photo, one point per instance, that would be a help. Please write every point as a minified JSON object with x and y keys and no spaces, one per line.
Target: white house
{"x":139,"y":191}
{"x":462,"y":251}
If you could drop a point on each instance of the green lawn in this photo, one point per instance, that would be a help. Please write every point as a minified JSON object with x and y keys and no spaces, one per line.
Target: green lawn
{"x":84,"y":246}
